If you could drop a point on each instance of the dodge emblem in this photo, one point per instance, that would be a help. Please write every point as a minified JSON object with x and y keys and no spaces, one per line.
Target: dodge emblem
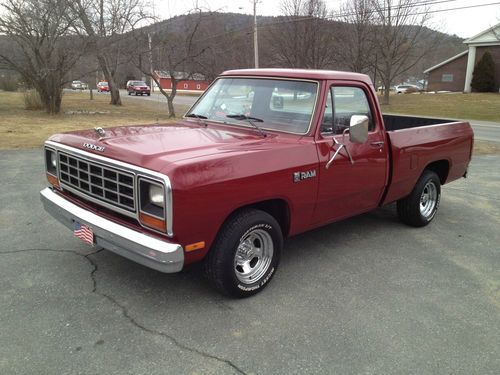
{"x":93,"y":147}
{"x":299,"y":176}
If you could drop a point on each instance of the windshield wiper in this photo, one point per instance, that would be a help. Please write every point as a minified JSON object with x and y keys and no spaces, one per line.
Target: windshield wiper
{"x":200,"y":118}
{"x":251,"y":120}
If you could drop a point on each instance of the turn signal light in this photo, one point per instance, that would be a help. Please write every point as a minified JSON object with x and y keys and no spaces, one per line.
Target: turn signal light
{"x":52,"y":180}
{"x":195,"y":246}
{"x":153,"y":222}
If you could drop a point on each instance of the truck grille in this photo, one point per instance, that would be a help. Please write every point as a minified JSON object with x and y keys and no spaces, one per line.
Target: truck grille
{"x":98,"y":181}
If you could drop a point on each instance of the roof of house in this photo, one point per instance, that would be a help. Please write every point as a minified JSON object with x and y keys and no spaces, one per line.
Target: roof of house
{"x":490,"y":36}
{"x":446,"y":61}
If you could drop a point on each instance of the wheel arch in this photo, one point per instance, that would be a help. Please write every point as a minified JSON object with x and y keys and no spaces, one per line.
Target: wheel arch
{"x":278,"y":208}
{"x":441,"y":168}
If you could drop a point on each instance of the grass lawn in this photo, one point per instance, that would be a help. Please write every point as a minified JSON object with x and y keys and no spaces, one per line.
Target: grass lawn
{"x":476,"y":106}
{"x":20,"y":128}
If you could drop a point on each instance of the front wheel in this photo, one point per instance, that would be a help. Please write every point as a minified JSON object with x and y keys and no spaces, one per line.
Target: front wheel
{"x":245,"y":254}
{"x":420,"y":207}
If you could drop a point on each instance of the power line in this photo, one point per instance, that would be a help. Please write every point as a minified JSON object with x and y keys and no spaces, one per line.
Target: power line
{"x":340,"y":16}
{"x":459,"y":8}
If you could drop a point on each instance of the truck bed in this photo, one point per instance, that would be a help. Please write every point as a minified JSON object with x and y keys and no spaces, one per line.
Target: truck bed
{"x":417,"y":143}
{"x":396,"y":122}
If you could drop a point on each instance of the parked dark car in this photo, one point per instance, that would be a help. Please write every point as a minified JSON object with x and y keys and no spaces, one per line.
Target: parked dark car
{"x":138,"y":87}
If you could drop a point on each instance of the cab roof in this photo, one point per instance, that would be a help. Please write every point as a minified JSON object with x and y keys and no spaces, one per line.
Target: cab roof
{"x":313,"y":74}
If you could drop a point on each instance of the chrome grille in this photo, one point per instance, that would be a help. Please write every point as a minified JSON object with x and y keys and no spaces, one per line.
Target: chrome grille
{"x":97,"y":180}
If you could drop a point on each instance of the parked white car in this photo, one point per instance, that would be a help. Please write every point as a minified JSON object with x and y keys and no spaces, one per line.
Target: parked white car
{"x":406,"y":89}
{"x":79,"y":85}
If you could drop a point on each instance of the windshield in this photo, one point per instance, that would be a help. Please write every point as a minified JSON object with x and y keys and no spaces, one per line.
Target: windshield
{"x":139,"y":83}
{"x":283,"y":105}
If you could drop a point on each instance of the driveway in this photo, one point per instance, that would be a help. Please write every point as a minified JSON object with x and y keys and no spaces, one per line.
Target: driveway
{"x":364,"y":296}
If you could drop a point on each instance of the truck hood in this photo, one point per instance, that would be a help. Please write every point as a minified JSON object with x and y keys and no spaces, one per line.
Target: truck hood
{"x":156,"y":146}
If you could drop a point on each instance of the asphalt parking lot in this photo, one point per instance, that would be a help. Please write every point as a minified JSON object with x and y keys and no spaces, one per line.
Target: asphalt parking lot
{"x":364,"y":296}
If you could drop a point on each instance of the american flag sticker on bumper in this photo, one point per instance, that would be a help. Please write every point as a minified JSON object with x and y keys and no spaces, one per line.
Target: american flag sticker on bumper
{"x":83,"y":232}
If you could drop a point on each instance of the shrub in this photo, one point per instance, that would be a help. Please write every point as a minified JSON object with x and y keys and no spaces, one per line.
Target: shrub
{"x":32,"y":100}
{"x":8,"y":84}
{"x":483,"y":77}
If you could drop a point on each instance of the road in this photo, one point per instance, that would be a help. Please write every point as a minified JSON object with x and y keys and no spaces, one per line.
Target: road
{"x":364,"y":296}
{"x":158,"y":97}
{"x":483,"y":130}
{"x":486,"y":131}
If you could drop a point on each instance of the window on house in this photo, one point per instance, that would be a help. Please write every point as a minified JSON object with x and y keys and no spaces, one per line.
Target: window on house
{"x":447,"y":78}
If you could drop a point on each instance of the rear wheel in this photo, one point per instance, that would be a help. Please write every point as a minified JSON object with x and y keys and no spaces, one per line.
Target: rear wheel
{"x":245,"y":254}
{"x":420,"y":207}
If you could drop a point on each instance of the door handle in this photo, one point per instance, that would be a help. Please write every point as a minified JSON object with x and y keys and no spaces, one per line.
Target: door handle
{"x":378,"y":144}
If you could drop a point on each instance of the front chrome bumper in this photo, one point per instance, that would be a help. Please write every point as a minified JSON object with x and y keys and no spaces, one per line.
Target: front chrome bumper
{"x":149,"y":251}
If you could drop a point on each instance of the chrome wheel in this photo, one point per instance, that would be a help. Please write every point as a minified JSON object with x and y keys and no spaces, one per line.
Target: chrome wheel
{"x":428,"y":199}
{"x":253,"y":256}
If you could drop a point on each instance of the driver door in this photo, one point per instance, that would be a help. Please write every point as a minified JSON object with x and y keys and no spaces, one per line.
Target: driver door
{"x":346,"y":188}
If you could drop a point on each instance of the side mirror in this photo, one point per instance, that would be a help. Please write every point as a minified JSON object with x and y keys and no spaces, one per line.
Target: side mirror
{"x":358,"y":129}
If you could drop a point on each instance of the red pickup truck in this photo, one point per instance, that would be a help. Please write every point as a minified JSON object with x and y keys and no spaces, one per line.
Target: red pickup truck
{"x":263,"y":155}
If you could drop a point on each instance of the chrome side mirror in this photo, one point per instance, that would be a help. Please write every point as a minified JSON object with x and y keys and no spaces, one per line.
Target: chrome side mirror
{"x":358,"y":129}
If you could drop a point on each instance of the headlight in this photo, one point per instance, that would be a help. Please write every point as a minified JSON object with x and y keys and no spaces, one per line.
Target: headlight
{"x":157,"y":195}
{"x":51,"y":167}
{"x":152,"y":204}
{"x":51,"y":161}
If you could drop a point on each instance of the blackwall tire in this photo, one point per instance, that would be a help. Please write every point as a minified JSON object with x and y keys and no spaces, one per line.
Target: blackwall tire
{"x":420,"y":207}
{"x":245,"y":255}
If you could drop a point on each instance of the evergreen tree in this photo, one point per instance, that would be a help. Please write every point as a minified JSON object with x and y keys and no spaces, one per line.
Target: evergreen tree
{"x":483,"y":77}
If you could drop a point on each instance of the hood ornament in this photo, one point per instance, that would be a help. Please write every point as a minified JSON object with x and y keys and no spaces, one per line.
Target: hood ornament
{"x":100,"y":132}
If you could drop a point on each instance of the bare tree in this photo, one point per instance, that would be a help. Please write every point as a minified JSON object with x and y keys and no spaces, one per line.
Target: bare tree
{"x":400,"y":42}
{"x":41,"y":49}
{"x":105,"y":23}
{"x":174,"y":52}
{"x":355,"y":42}
{"x":304,"y":38}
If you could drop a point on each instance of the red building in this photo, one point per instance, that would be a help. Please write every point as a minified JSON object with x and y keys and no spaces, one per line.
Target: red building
{"x":185,"y":81}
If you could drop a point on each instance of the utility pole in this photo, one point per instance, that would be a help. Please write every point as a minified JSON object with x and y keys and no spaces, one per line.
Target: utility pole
{"x":151,"y":81}
{"x":255,"y":37}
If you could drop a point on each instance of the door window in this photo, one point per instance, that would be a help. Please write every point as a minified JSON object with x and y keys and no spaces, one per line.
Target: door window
{"x":347,"y":101}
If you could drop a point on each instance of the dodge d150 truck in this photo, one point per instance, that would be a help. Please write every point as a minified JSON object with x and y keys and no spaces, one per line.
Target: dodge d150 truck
{"x":263,"y":155}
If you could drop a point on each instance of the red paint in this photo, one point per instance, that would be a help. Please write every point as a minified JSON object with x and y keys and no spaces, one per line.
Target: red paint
{"x":217,"y":169}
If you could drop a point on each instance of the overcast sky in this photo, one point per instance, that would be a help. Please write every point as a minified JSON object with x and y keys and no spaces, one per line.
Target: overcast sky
{"x":464,"y":23}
